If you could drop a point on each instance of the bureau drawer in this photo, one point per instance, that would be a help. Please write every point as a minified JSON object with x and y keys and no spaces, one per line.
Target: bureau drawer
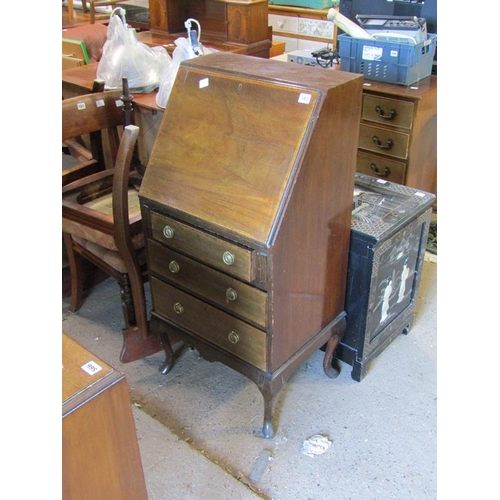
{"x":229,"y":257}
{"x":229,"y":293}
{"x":391,"y":112}
{"x":223,"y":330}
{"x":385,"y":141}
{"x":381,"y":167}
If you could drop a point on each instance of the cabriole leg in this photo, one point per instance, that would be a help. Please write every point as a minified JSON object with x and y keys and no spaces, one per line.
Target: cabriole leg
{"x":337,"y":333}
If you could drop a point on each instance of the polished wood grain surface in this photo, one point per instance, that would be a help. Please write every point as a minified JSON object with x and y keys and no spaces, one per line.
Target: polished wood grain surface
{"x":100,"y":454}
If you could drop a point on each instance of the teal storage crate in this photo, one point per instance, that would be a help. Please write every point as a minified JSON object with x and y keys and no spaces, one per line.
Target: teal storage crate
{"x":311,"y":4}
{"x":390,"y":62}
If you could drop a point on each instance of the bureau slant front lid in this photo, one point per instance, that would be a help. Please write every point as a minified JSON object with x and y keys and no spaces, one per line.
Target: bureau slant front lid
{"x":231,"y":141}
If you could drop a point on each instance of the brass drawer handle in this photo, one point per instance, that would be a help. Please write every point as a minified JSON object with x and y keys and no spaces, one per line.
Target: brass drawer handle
{"x":231,"y":294}
{"x":377,"y":171}
{"x":390,"y":116}
{"x":228,"y":258}
{"x":388,"y":144}
{"x":168,"y":232}
{"x":178,"y":309}
{"x":233,"y":337}
{"x":174,"y":267}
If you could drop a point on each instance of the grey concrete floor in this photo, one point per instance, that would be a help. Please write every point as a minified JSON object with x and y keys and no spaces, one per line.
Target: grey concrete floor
{"x":198,"y":426}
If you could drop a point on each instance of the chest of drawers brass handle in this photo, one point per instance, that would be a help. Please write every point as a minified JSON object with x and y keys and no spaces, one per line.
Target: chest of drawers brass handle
{"x":233,"y":337}
{"x":389,"y":116}
{"x":228,"y":258}
{"x":388,"y":144}
{"x":178,"y":309}
{"x":231,"y":294}
{"x":174,"y":267}
{"x":168,"y":232}
{"x":376,"y":170}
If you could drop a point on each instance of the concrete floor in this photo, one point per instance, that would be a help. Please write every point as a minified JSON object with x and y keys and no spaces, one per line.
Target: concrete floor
{"x":198,"y":426}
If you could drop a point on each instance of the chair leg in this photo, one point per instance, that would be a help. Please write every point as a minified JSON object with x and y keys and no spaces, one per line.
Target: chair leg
{"x":136,"y":346}
{"x":76,"y":274}
{"x":138,"y":341}
{"x":127,"y":300}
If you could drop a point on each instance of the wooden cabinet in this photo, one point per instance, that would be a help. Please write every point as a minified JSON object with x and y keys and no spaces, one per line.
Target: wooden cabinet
{"x":390,"y":224}
{"x":247,"y":205}
{"x":100,"y":454}
{"x":229,"y":23}
{"x":302,"y":28}
{"x":398,"y":133}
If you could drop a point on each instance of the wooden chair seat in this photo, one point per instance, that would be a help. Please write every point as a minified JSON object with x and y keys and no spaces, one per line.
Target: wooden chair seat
{"x":104,"y":206}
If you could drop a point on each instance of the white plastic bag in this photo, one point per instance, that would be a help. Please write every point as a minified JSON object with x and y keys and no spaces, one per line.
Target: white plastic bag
{"x":181,"y":53}
{"x":124,"y":56}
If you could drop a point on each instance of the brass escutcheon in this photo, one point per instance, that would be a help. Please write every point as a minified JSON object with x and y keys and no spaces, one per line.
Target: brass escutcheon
{"x":228,"y":258}
{"x":168,"y":232}
{"x":231,"y":294}
{"x":233,"y":337}
{"x":178,"y":308}
{"x":174,"y":267}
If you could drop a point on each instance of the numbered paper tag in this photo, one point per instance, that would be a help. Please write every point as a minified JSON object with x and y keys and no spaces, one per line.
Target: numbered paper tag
{"x":91,"y":368}
{"x":304,"y":98}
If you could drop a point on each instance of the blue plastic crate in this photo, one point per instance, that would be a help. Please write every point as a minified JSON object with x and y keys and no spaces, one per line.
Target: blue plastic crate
{"x":391,"y":62}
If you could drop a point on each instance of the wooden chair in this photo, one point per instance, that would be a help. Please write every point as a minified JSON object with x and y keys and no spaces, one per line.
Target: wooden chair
{"x":101,"y":218}
{"x":96,"y":147}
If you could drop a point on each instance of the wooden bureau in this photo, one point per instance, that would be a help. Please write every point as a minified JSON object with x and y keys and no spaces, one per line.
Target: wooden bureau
{"x":398,"y":133}
{"x":246,"y":204}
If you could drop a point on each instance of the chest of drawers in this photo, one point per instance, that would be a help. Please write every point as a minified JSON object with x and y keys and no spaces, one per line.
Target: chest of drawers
{"x":398,"y":133}
{"x":246,"y":203}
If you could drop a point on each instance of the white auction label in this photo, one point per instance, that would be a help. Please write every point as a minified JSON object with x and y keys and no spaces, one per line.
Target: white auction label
{"x":91,"y":368}
{"x":304,"y":98}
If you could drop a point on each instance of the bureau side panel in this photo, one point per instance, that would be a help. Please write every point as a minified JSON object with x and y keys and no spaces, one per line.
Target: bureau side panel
{"x":309,"y":259}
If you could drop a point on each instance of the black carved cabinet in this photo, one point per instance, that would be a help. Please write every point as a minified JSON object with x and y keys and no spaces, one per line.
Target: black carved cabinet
{"x":389,"y":229}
